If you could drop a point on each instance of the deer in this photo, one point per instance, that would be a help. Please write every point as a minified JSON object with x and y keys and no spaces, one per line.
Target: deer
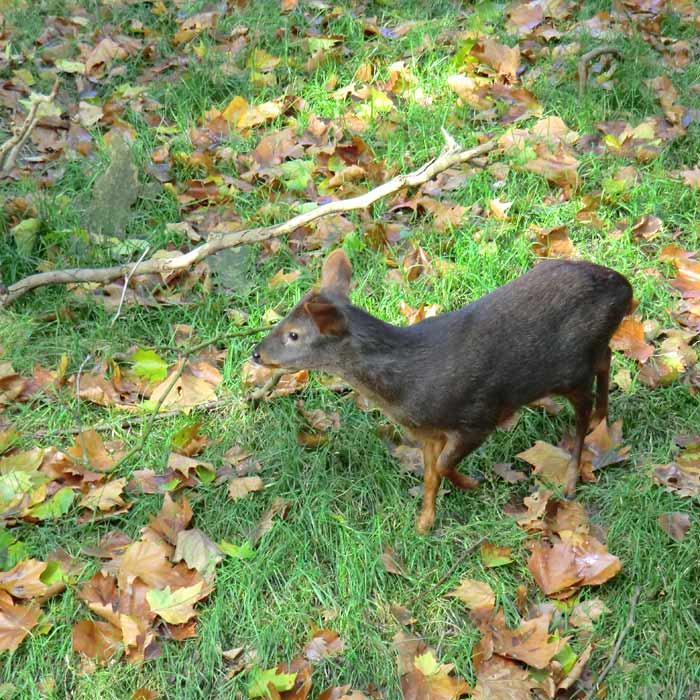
{"x":451,"y":379}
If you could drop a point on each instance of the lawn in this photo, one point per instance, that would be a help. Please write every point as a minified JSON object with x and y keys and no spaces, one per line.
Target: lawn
{"x":349,"y":498}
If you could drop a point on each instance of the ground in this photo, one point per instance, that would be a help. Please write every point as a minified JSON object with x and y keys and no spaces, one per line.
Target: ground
{"x":349,"y":498}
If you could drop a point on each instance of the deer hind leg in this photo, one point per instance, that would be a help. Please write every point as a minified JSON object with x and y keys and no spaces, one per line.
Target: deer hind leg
{"x":431,"y":483}
{"x":602,"y":384}
{"x":457,"y":447}
{"x":582,"y":401}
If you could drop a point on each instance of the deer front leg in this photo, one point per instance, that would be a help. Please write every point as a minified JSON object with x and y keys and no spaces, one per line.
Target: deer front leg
{"x":431,"y":483}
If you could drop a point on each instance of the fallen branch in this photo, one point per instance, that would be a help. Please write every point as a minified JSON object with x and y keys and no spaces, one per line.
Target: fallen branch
{"x":9,"y":151}
{"x":586,"y":59}
{"x":451,"y":154}
{"x":618,"y":646}
{"x":467,"y":552}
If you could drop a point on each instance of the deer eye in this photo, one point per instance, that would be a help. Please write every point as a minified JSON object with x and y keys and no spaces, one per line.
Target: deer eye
{"x":293,"y":335}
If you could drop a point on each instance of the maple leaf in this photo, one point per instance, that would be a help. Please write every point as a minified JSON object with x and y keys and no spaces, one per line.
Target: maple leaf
{"x":629,"y":338}
{"x":146,"y":363}
{"x":474,"y":594}
{"x":430,"y":680}
{"x":553,"y":243}
{"x":691,"y":177}
{"x":550,"y":462}
{"x":587,"y":612}
{"x":197,"y":551}
{"x":188,"y":392}
{"x":187,"y":441}
{"x":529,"y":642}
{"x":16,"y":622}
{"x":324,"y":643}
{"x":501,"y":679}
{"x":492,"y":555}
{"x":105,"y":496}
{"x":675,"y":525}
{"x":258,"y":687}
{"x":687,"y":280}
{"x":505,"y":60}
{"x":175,"y":607}
{"x":90,"y":448}
{"x":24,"y":579}
{"x":102,"y":56}
{"x":97,"y":639}
{"x":147,"y":561}
{"x":172,"y":519}
{"x":243,"y":485}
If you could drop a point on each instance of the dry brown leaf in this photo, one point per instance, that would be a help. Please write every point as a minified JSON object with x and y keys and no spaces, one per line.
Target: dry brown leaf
{"x":474,"y":594}
{"x":550,"y":462}
{"x":16,"y":622}
{"x":507,"y":473}
{"x":675,"y":525}
{"x":430,"y":680}
{"x":587,"y":612}
{"x":24,"y":579}
{"x":647,"y":227}
{"x":499,"y":209}
{"x":502,"y":679}
{"x":94,"y":452}
{"x":97,"y":639}
{"x":570,"y":563}
{"x":188,"y":392}
{"x":528,"y":643}
{"x":687,"y":280}
{"x":629,"y":338}
{"x":392,"y":562}
{"x":281,"y":278}
{"x":505,"y":60}
{"x":105,"y":497}
{"x":243,"y":485}
{"x":258,"y":376}
{"x":691,"y":177}
{"x":279,"y":509}
{"x":553,"y":243}
{"x":414,"y":315}
{"x":324,"y":643}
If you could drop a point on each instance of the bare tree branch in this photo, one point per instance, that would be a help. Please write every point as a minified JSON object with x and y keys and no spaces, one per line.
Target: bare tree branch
{"x":452,"y":154}
{"x":586,"y":59}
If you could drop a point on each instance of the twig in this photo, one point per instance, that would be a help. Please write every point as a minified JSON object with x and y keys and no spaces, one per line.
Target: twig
{"x":586,"y":59}
{"x":467,"y":552}
{"x":260,"y":393}
{"x":127,"y":279}
{"x":451,"y":155}
{"x":618,"y":645}
{"x":11,"y":148}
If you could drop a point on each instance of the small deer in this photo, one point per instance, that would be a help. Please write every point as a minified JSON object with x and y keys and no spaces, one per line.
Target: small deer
{"x":451,"y":379}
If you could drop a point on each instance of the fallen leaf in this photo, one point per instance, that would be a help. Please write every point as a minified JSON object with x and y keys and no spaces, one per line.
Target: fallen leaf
{"x":198,"y":551}
{"x":262,"y":680}
{"x":575,"y":561}
{"x":474,"y":594}
{"x":243,"y":485}
{"x":675,"y":525}
{"x":24,"y":579}
{"x":507,"y":473}
{"x":691,"y":177}
{"x":499,"y":209}
{"x":89,"y":447}
{"x":629,"y":338}
{"x":148,"y":365}
{"x":324,"y":643}
{"x":550,"y":463}
{"x":278,"y":508}
{"x":529,"y":642}
{"x":188,"y":392}
{"x":430,"y":680}
{"x":492,"y":555}
{"x":647,"y":227}
{"x":553,"y":243}
{"x":175,"y":607}
{"x":587,"y":612}
{"x":16,"y":622}
{"x":280,"y":278}
{"x":97,"y":639}
{"x":105,"y":497}
{"x":392,"y":562}
{"x":502,"y":679}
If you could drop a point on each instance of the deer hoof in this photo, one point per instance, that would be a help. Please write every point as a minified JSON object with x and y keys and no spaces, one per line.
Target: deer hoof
{"x":425,"y":523}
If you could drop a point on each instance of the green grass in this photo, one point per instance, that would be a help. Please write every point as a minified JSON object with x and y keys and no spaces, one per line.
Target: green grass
{"x":348,"y":498}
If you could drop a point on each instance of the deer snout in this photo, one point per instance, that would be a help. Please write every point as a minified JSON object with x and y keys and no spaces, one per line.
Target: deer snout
{"x":257,"y":358}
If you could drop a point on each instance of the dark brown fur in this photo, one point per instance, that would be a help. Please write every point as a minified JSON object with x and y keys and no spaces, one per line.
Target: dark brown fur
{"x":450,"y":379}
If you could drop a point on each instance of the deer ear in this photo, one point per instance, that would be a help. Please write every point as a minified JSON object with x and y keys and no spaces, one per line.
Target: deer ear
{"x":327,"y":317}
{"x":337,"y":272}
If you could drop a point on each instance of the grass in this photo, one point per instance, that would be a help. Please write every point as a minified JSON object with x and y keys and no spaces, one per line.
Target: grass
{"x":349,"y":499}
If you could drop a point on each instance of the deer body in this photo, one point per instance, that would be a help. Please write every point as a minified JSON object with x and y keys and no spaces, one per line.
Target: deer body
{"x":449,"y":380}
